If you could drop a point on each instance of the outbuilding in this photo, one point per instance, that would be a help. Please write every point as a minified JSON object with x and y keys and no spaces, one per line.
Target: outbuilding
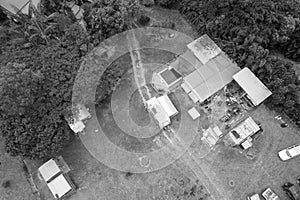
{"x":256,"y":91}
{"x":60,"y":186}
{"x":166,"y":80}
{"x":80,"y":114}
{"x":243,"y":132}
{"x":213,"y":69}
{"x":162,"y":109}
{"x":57,"y":181}
{"x":49,"y":170}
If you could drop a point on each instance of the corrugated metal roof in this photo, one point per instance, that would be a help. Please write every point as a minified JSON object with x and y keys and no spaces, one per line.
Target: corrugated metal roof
{"x":209,"y":78}
{"x":49,"y":169}
{"x":59,"y":186}
{"x":162,"y":109}
{"x":255,"y":89}
{"x":14,"y":6}
{"x":243,"y":130}
{"x":158,"y":111}
{"x":167,"y":105}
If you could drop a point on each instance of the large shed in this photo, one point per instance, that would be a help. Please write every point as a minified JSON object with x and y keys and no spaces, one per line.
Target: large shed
{"x":49,"y":169}
{"x":209,"y":78}
{"x":256,"y":91}
{"x":60,"y":186}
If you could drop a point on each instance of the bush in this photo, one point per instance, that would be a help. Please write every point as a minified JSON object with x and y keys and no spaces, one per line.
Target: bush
{"x":167,"y":3}
{"x":144,"y":20}
{"x":147,"y":3}
{"x":6,"y":184}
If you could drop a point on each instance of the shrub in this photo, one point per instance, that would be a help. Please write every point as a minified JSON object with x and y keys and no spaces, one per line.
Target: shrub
{"x":147,"y":3}
{"x":167,"y":3}
{"x":144,"y":20}
{"x":6,"y":184}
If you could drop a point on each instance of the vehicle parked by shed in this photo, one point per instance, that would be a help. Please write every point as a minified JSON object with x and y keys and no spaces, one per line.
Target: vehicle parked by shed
{"x":292,"y":191}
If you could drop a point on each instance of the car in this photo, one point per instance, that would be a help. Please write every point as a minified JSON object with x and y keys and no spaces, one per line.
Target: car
{"x":254,"y":197}
{"x":268,"y":194}
{"x":292,"y":191}
{"x":289,"y":152}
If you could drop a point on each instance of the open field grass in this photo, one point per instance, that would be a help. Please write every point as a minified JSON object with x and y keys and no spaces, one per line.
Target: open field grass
{"x":11,"y":169}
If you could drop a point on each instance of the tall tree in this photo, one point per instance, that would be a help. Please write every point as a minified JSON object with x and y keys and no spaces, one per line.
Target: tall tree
{"x":106,"y":18}
{"x":37,"y":95}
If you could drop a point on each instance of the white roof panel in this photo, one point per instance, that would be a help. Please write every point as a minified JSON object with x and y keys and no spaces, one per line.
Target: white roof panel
{"x":193,"y":112}
{"x":202,"y":92}
{"x":247,"y":144}
{"x":193,"y":96}
{"x":194,"y":79}
{"x":77,"y":126}
{"x":255,"y":89}
{"x":15,"y":6}
{"x":158,"y":111}
{"x":49,"y":170}
{"x":168,"y":106}
{"x":186,"y":87}
{"x":83,"y":113}
{"x":59,"y":186}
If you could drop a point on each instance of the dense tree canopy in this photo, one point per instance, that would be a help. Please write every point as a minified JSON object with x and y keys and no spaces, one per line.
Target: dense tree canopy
{"x":270,"y":23}
{"x":106,"y":18}
{"x":36,"y":95}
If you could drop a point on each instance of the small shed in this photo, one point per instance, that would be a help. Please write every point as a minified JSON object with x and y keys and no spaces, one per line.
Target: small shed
{"x":243,"y":131}
{"x":256,"y":91}
{"x":193,"y":112}
{"x":162,"y":109}
{"x":166,"y":80}
{"x":60,"y":186}
{"x":77,"y":126}
{"x":57,"y":181}
{"x":211,"y":136}
{"x":80,"y":114}
{"x":49,"y":169}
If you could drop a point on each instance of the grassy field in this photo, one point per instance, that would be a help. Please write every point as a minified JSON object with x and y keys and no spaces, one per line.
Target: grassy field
{"x":11,"y":169}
